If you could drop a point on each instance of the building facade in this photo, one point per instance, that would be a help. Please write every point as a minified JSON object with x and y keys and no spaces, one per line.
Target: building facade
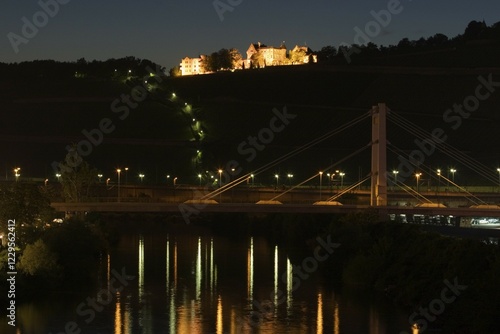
{"x":192,"y":66}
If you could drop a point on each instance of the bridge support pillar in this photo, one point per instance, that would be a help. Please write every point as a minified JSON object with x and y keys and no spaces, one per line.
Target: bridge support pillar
{"x":379,"y":156}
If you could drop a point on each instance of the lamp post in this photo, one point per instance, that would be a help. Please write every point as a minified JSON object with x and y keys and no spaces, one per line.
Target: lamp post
{"x":99,"y":176}
{"x":277,"y":178}
{"x":498,"y":170}
{"x":395,"y":173}
{"x":118,"y":171}
{"x":320,"y":184}
{"x":289,"y":176}
{"x":439,"y":179}
{"x":452,"y":171}
{"x":16,"y":173}
{"x":126,"y":175}
{"x":58,"y":176}
{"x":418,"y":175}
{"x":253,"y":179}
{"x":341,"y":174}
{"x":199,"y":177}
{"x":141,"y":176}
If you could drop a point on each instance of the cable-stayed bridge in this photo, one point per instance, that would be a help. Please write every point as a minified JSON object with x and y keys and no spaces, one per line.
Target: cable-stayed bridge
{"x":389,"y":191}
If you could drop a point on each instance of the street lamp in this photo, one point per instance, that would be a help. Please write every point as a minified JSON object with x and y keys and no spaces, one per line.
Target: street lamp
{"x":58,"y":176}
{"x":141,"y":176}
{"x":498,"y":170}
{"x":99,"y":176}
{"x":118,"y":171}
{"x":395,"y":173}
{"x":277,"y":178}
{"x":452,"y":171}
{"x":320,"y":184}
{"x":418,"y":175}
{"x":253,"y":179}
{"x":199,"y":177}
{"x":342,"y":174}
{"x":126,"y":175}
{"x":439,"y":178}
{"x":220,"y":177}
{"x":16,"y":173}
{"x":289,"y":176}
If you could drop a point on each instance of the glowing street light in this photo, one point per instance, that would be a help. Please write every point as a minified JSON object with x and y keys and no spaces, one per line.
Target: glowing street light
{"x":118,"y":171}
{"x":141,"y":176}
{"x":290,"y":177}
{"x":126,"y":175}
{"x":277,"y":180}
{"x":341,"y":174}
{"x":320,"y":183}
{"x":439,"y":178}
{"x":58,"y":176}
{"x":453,"y":171}
{"x":253,"y":179}
{"x":199,"y":177}
{"x":220,"y":177}
{"x":498,"y":170}
{"x":16,"y":173}
{"x":418,"y":175}
{"x":395,"y":173}
{"x":99,"y":176}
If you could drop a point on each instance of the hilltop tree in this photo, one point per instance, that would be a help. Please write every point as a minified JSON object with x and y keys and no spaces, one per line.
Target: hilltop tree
{"x":77,"y":177}
{"x":236,"y":58}
{"x":327,"y":53}
{"x":175,"y":71}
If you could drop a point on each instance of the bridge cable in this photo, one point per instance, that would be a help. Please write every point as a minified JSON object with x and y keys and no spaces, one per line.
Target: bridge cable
{"x":286,"y":156}
{"x":334,"y":197}
{"x":326,"y":169}
{"x":396,"y":149}
{"x":444,"y":147}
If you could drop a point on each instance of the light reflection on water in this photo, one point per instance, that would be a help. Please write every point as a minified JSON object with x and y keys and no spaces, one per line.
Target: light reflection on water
{"x":205,"y":284}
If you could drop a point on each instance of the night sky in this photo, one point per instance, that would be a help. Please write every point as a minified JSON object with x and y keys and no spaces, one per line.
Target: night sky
{"x":165,"y":31}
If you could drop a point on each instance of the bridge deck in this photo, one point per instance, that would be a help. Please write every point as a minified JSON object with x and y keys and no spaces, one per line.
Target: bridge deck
{"x":267,"y":208}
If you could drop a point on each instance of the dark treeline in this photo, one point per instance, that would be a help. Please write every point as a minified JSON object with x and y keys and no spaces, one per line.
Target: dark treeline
{"x":476,"y":34}
{"x":111,"y":68}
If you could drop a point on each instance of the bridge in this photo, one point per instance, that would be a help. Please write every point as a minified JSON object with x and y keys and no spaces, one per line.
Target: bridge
{"x":388,"y":193}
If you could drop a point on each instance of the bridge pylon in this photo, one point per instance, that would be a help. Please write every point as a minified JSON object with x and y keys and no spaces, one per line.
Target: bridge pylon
{"x":379,"y":156}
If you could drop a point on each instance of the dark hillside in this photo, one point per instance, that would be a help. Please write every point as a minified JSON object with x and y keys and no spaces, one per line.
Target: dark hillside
{"x":41,"y":115}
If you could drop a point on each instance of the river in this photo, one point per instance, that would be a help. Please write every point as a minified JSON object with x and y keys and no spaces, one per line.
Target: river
{"x":173,"y":282}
